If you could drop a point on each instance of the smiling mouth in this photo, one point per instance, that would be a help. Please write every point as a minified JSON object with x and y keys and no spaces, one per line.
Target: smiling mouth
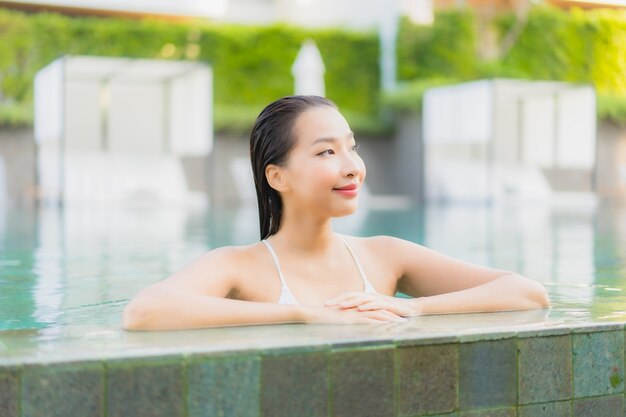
{"x":349,"y":191}
{"x":350,"y":187}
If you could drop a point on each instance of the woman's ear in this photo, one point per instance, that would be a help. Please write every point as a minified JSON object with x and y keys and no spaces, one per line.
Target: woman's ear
{"x":276,"y":177}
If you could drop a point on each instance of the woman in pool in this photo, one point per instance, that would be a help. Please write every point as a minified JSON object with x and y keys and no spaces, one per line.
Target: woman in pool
{"x":307,"y":170}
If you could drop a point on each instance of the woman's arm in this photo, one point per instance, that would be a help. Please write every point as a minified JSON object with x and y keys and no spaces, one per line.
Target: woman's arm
{"x":447,"y":285}
{"x":196,"y":297}
{"x":442,"y":284}
{"x":507,"y":292}
{"x":167,"y":308}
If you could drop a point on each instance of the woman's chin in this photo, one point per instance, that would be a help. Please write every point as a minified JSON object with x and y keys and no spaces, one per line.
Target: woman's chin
{"x":346,"y":211}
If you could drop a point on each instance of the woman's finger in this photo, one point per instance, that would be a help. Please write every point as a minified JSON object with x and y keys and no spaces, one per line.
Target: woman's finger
{"x":380,"y":315}
{"x":352,"y":303}
{"x":358,"y":300}
{"x":371,"y":305}
{"x":389,"y":313}
{"x":385,"y":315}
{"x":371,"y":301}
{"x":366,"y":302}
{"x":358,"y":317}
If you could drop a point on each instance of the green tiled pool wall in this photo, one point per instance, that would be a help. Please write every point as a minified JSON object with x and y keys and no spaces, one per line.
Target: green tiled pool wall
{"x":561,"y":373}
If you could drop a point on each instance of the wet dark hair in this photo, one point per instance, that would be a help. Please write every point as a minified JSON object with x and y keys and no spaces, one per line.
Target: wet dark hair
{"x":270,"y":142}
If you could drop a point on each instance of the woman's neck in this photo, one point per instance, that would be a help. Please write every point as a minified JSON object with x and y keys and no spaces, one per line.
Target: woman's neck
{"x":305,"y":232}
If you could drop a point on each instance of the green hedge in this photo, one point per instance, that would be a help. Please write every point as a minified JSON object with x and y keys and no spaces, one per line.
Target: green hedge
{"x":576,"y":46}
{"x":445,"y":49}
{"x":252,"y":65}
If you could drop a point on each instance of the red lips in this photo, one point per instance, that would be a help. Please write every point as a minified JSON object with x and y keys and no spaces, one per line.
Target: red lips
{"x":348,"y":187}
{"x":349,"y":191}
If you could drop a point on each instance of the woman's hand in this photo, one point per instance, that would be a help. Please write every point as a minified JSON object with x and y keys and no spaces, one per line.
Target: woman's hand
{"x":375,"y":302}
{"x":338,"y":315}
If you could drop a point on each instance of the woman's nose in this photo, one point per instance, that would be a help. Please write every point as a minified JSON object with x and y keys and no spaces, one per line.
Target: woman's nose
{"x":352,"y":165}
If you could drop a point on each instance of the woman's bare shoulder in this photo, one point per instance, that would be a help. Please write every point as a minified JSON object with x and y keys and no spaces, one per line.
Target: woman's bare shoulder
{"x":375,"y":243}
{"x":220,"y":267}
{"x":391,"y":244}
{"x":230,"y":256}
{"x":392,"y":250}
{"x":380,"y":248}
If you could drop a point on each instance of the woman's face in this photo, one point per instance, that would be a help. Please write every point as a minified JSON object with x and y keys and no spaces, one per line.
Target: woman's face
{"x":323,"y":171}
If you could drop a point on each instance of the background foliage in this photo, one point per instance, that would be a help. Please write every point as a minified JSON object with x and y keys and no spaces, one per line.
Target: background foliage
{"x":445,"y":49}
{"x":251,"y":65}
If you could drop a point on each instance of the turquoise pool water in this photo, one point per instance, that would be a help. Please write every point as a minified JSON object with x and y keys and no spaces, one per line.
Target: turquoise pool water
{"x":80,"y":266}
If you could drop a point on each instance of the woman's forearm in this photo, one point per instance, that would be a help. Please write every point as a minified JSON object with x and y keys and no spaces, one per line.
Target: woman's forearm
{"x":170,"y":309}
{"x":508,"y":292}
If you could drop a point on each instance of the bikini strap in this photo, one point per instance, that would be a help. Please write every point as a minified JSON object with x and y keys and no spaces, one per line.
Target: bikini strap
{"x":368,"y":286}
{"x":280,"y":272}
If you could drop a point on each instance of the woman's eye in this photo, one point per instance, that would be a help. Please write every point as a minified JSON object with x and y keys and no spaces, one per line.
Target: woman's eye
{"x":326,"y":152}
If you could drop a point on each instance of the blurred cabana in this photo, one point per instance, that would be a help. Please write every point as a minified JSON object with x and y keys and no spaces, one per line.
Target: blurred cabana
{"x":120,"y":131}
{"x":501,"y":140}
{"x":308,"y":70}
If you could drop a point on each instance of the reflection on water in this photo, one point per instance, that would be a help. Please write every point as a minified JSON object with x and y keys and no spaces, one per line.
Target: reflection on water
{"x":80,"y":266}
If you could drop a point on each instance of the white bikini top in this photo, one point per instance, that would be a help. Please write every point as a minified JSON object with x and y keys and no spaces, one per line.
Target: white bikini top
{"x":286,"y":297}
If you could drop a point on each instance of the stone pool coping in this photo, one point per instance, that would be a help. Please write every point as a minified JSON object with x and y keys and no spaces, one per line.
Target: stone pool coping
{"x":85,"y":343}
{"x":484,"y":365}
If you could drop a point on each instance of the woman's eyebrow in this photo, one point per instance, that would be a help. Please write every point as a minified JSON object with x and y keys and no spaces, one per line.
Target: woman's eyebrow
{"x":331,"y":140}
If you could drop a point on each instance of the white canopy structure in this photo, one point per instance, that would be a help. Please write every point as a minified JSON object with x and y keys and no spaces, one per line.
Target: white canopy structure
{"x":496,"y":140}
{"x":117,"y":130}
{"x":308,"y":70}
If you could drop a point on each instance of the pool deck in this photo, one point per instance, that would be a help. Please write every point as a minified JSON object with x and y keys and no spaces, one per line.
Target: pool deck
{"x":530,"y":363}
